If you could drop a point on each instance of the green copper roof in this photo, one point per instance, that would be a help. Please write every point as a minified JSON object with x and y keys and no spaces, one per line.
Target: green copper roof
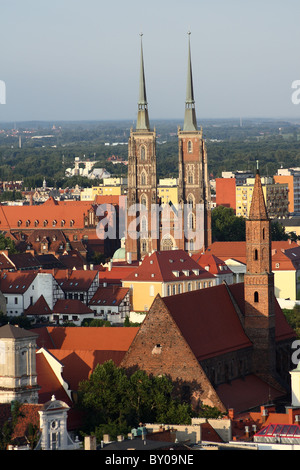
{"x":190,"y":121}
{"x":142,"y":119}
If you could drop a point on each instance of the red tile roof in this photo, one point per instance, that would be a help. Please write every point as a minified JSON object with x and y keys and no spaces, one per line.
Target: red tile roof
{"x":250,"y":392}
{"x":109,"y":296}
{"x":51,"y":210}
{"x":76,"y":280}
{"x":49,"y":382}
{"x":208,"y":329}
{"x":211,"y":330}
{"x":86,"y":338}
{"x":164,"y":266}
{"x":71,"y":307}
{"x":115,"y":275}
{"x":16,"y":282}
{"x":39,"y":308}
{"x":78,"y":364}
{"x":281,"y":252}
{"x":215,"y":265}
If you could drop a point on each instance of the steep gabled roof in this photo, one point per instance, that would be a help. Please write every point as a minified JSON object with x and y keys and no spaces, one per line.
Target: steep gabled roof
{"x":71,"y":307}
{"x":39,"y":308}
{"x":208,"y":321}
{"x":109,"y":296}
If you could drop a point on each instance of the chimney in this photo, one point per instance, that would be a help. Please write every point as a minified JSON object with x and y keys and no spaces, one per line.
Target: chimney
{"x":264,"y":414}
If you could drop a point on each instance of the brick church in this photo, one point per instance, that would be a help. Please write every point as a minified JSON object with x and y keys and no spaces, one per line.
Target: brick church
{"x":227,"y":346}
{"x":189,"y":224}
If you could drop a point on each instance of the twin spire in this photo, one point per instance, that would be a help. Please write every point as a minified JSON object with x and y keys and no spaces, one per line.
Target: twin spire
{"x":190,"y":121}
{"x":142,"y":118}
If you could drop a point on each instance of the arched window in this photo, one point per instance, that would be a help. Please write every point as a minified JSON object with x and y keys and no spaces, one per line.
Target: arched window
{"x":144,"y":246}
{"x":255,"y":255}
{"x":143,"y":179}
{"x":190,"y":201}
{"x":143,"y":153}
{"x":190,"y":146}
{"x":256,"y":296}
{"x":143,"y":202}
{"x":144,"y":225}
{"x":191,"y":224}
{"x":191,"y":247}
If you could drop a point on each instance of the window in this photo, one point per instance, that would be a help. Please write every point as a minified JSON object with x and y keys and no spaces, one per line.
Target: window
{"x":16,"y":300}
{"x":144,"y":246}
{"x":143,"y":153}
{"x":256,"y":297}
{"x":190,"y":178}
{"x":143,"y":179}
{"x":190,"y":146}
{"x":144,"y":224}
{"x":255,"y":255}
{"x":151,"y":293}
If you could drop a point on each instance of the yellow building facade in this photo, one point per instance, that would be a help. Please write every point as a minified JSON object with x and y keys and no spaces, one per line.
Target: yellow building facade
{"x":276,"y":197}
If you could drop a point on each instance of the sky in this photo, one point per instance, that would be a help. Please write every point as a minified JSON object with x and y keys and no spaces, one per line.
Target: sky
{"x":79,"y":60}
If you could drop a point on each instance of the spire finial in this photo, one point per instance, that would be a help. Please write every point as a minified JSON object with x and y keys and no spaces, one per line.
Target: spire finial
{"x":143,"y":119}
{"x":190,"y":122}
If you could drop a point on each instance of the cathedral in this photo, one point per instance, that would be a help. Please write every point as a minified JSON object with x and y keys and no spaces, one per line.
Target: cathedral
{"x":152,"y":226}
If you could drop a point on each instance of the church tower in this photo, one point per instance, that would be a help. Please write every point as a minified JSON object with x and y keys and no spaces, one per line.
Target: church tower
{"x":142,"y":183}
{"x":193,"y":182}
{"x":259,"y":285}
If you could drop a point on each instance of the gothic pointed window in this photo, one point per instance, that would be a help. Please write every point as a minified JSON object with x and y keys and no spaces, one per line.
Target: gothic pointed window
{"x":143,"y":179}
{"x":143,"y":154}
{"x":256,"y":297}
{"x":144,"y":224}
{"x":190,"y":146}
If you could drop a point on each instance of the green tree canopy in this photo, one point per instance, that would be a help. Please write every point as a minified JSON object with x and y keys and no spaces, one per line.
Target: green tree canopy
{"x":226,"y":226}
{"x":115,"y":402}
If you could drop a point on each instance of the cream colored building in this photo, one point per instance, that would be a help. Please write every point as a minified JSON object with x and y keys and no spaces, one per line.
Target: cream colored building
{"x":275,"y":194}
{"x":110,"y":187}
{"x":18,"y":376}
{"x":167,"y":190}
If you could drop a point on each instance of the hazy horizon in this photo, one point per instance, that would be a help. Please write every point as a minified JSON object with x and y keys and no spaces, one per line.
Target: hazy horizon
{"x":66,"y":60}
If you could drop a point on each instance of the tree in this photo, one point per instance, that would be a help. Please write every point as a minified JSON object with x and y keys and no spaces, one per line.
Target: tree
{"x":115,"y":402}
{"x":7,"y":244}
{"x":278,"y":231}
{"x":7,"y":431}
{"x":226,"y":226}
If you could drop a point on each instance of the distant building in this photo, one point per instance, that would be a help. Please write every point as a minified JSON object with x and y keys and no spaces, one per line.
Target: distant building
{"x":230,"y":192}
{"x":291,"y":177}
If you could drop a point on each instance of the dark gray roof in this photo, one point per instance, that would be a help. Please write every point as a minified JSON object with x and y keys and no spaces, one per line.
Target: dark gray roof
{"x":12,"y":331}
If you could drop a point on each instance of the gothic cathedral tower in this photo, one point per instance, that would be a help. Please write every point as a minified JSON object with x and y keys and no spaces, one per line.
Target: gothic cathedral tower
{"x":259,"y":285}
{"x":142,"y":183}
{"x":193,"y":182}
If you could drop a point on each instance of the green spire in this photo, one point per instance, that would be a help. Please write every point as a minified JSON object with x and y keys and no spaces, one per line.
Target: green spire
{"x":190,"y":121}
{"x":142,"y":119}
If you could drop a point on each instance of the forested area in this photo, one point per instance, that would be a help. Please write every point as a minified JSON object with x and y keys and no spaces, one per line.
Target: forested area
{"x":230,"y":146}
